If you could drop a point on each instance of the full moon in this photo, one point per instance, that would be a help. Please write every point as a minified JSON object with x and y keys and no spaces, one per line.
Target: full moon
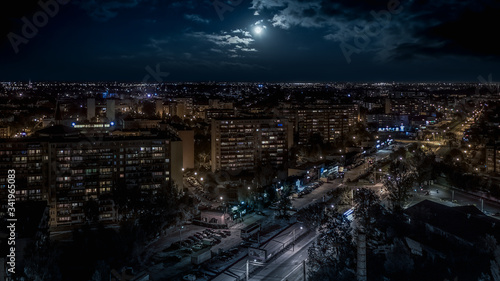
{"x":258,"y":30}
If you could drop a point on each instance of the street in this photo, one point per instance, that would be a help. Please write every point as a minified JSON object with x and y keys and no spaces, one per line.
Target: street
{"x":316,"y":195}
{"x":289,"y":265}
{"x":443,"y":195}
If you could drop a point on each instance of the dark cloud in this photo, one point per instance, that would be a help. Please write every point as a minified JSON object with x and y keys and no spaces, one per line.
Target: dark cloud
{"x":196,"y":18}
{"x":103,"y":10}
{"x":421,"y":28}
{"x":297,"y":39}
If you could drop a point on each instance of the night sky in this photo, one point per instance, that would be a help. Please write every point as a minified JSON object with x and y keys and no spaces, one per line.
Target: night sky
{"x":251,"y":40}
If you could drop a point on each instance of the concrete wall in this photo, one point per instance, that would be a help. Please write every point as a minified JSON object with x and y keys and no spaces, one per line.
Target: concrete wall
{"x":187,"y":138}
{"x":110,"y":110}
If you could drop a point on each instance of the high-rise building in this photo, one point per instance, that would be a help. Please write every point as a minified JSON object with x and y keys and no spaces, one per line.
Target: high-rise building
{"x":184,"y":106}
{"x":246,"y":143}
{"x":493,"y":158}
{"x":159,"y":108}
{"x":110,"y":110}
{"x":90,"y":109}
{"x":4,"y":132}
{"x":330,"y":122}
{"x":65,"y":168}
{"x":186,"y":134}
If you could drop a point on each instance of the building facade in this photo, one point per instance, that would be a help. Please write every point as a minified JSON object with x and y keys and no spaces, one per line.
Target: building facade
{"x":246,"y":143}
{"x":66,"y":169}
{"x":493,"y":158}
{"x":330,"y":122}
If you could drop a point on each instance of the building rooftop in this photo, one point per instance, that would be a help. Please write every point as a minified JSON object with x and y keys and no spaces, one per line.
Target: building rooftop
{"x":466,"y":222}
{"x":57,"y":131}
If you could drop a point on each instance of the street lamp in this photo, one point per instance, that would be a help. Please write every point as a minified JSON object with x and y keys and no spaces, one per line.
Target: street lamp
{"x":180,"y":229}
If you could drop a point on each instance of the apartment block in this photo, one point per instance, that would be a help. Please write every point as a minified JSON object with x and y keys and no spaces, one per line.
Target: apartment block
{"x":330,"y":122}
{"x":246,"y":143}
{"x":65,"y":168}
{"x":493,"y":158}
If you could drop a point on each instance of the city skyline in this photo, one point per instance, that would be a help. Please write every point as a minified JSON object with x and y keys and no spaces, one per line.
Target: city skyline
{"x":228,"y":140}
{"x":265,"y":41}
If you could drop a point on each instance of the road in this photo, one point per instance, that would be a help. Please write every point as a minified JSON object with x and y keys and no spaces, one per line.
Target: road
{"x":289,"y":265}
{"x":356,"y":172}
{"x":443,"y":195}
{"x":316,"y":195}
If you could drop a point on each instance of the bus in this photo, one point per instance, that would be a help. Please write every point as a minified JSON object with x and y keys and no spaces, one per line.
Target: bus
{"x":250,"y":230}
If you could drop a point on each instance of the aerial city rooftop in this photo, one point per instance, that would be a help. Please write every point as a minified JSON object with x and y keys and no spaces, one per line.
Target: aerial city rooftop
{"x":231,"y":140}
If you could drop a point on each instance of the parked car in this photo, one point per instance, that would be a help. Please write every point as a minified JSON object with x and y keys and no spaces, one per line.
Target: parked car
{"x":197,"y":247}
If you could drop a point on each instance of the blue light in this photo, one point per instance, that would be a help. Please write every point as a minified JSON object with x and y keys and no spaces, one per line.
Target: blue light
{"x":112,"y":123}
{"x":280,"y":125}
{"x":73,"y":124}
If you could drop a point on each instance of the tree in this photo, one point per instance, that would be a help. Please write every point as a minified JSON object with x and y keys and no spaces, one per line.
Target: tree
{"x":312,"y":215}
{"x":91,"y":210}
{"x":101,"y":272}
{"x":399,"y":183}
{"x":149,"y":109}
{"x":399,"y":263}
{"x":41,"y":261}
{"x":285,"y":203}
{"x":203,"y":160}
{"x":366,"y":208}
{"x":331,"y":257}
{"x":424,"y":163}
